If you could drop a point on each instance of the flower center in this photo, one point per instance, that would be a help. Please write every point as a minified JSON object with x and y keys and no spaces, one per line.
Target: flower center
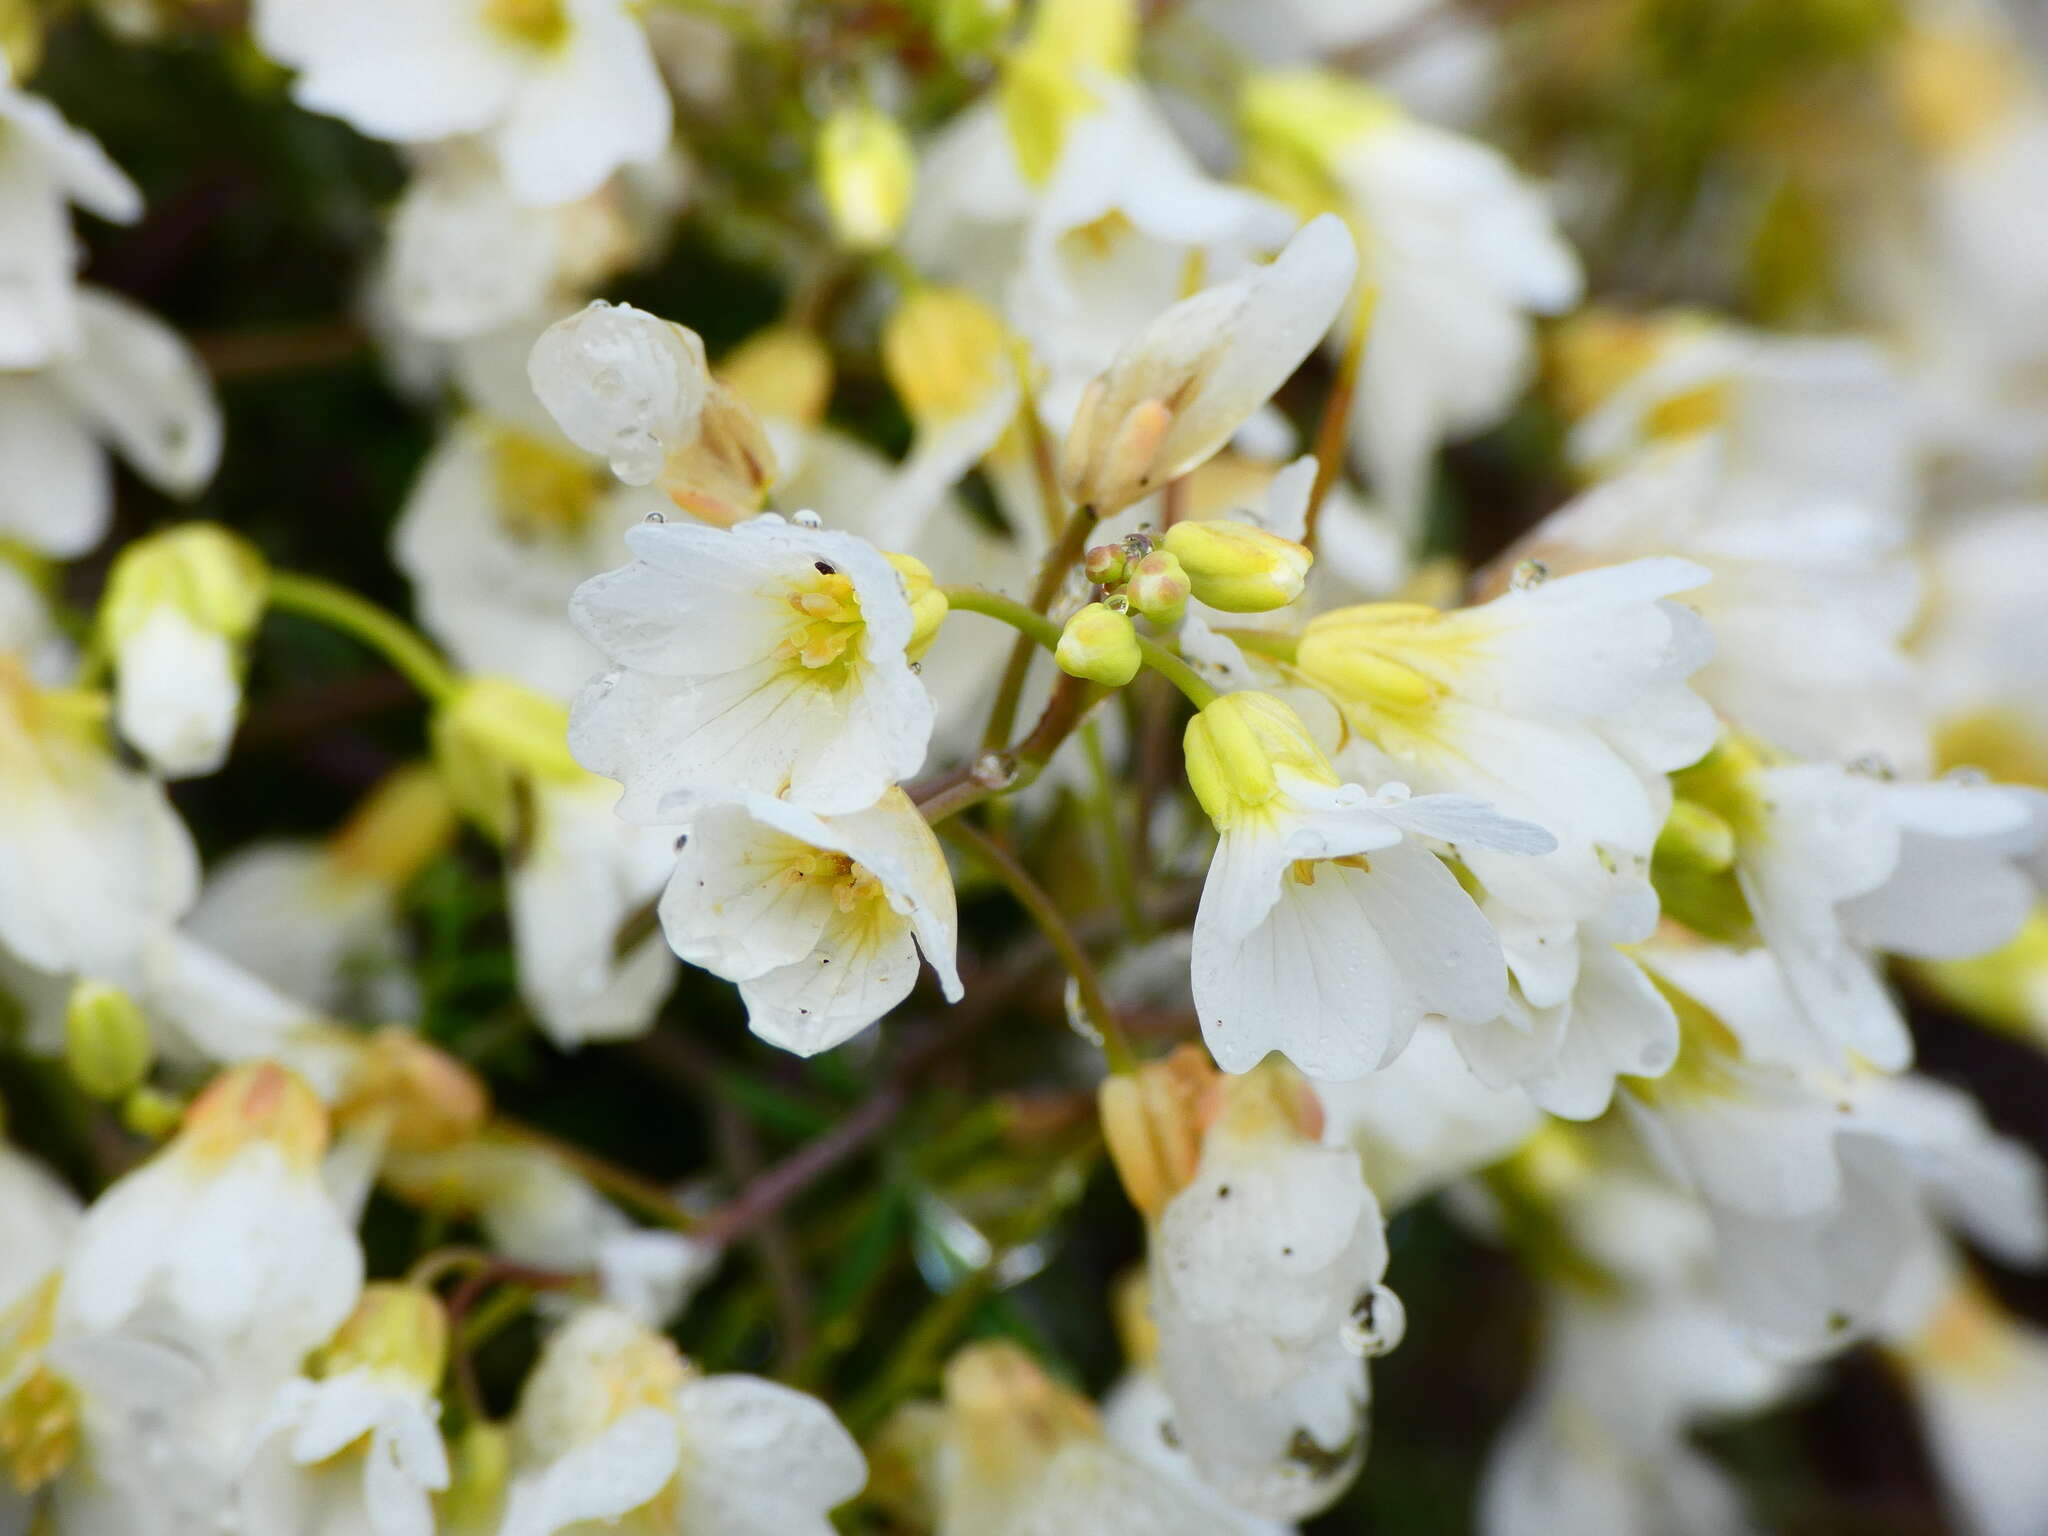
{"x":541,"y":490}
{"x":542,"y":25}
{"x":852,"y":885}
{"x":829,"y":622}
{"x":39,"y":1417}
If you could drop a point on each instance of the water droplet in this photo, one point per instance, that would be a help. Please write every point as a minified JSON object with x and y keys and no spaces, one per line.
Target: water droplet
{"x":655,"y":517}
{"x":995,"y":770}
{"x":807,"y":519}
{"x":1377,"y":1324}
{"x":636,"y":455}
{"x":1529,"y":573}
{"x":1966,"y":776}
{"x":1872,"y":765}
{"x":607,"y":382}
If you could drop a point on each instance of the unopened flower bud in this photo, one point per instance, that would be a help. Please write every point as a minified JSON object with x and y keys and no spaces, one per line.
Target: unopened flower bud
{"x":425,"y":1099}
{"x":724,"y":472}
{"x":395,"y":1328}
{"x":1152,"y":1122}
{"x":1239,"y":568}
{"x":1237,"y":747}
{"x":783,"y":372}
{"x":1159,"y":588}
{"x":868,"y":173}
{"x":258,"y":1101}
{"x":493,"y":739}
{"x":106,"y":1040}
{"x":214,"y":577}
{"x":1106,"y":565}
{"x":1101,"y":645}
{"x":927,"y":603}
{"x":944,"y":352}
{"x":403,"y":823}
{"x":151,"y":1113}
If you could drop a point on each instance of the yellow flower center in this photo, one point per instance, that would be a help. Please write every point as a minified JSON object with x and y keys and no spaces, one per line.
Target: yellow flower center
{"x":542,"y":25}
{"x":823,"y":640}
{"x":39,"y":1417}
{"x":852,"y":885}
{"x":541,"y":490}
{"x":1688,"y":413}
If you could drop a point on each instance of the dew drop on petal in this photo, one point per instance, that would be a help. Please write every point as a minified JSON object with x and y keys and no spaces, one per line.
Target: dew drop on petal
{"x":1529,"y":573}
{"x":1377,"y":1324}
{"x":654,"y":517}
{"x":807,"y":520}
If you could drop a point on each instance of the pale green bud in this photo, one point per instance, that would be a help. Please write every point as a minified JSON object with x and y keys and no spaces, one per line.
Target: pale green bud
{"x":868,"y":173}
{"x":928,"y":607}
{"x":214,"y":577}
{"x":1159,"y":588}
{"x":106,"y":1040}
{"x":1101,"y":645}
{"x":1239,"y":568}
{"x":397,"y":1328}
{"x":1236,"y":749}
{"x":480,"y":1467}
{"x":1106,"y":565}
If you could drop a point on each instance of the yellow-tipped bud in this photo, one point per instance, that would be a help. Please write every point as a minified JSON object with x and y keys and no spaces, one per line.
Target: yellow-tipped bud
{"x":1159,"y":588}
{"x":425,"y":1100}
{"x":928,"y":605}
{"x":944,"y":352}
{"x":106,"y":1040}
{"x":723,"y":473}
{"x":1106,"y":565}
{"x":494,"y":739}
{"x":1152,"y":1123}
{"x":214,"y":577}
{"x":1101,"y":645}
{"x":784,"y":371}
{"x":258,"y":1101}
{"x":1236,"y":749}
{"x":403,"y":822}
{"x":1239,"y":568}
{"x":868,"y":173}
{"x":395,"y":1328}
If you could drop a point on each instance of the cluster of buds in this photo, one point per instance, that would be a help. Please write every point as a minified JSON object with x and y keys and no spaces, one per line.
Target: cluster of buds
{"x":1232,"y":567}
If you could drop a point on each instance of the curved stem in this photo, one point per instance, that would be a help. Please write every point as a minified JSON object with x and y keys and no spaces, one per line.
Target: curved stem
{"x":1066,"y":549}
{"x":1330,"y":431}
{"x":1008,"y":610}
{"x":390,"y":637}
{"x":1176,"y":672}
{"x":1116,"y":852}
{"x":1032,"y":897}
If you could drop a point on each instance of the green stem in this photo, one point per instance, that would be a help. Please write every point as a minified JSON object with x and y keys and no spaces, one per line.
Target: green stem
{"x":1176,"y":672}
{"x":1334,"y":426}
{"x":1123,"y":880}
{"x":392,"y":638}
{"x":1059,"y":559}
{"x":1032,"y":897}
{"x":1008,"y":610}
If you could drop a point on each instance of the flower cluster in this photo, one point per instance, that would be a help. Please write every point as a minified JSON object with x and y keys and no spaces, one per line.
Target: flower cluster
{"x":1147,"y":505}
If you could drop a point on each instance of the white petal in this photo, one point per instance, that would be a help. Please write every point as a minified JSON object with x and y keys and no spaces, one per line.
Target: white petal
{"x":179,"y":697}
{"x":762,"y":1460}
{"x":141,"y":385}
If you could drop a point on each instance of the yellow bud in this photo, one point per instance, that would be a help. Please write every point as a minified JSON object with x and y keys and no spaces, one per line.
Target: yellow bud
{"x":424,"y":1098}
{"x":868,"y":172}
{"x":1101,"y":645}
{"x":106,"y":1040}
{"x":493,"y":740}
{"x":258,"y":1101}
{"x":1236,"y":748}
{"x":152,"y":1114}
{"x":396,"y":1328}
{"x":21,"y":37}
{"x":400,"y":825}
{"x":723,"y":473}
{"x":1040,"y":100}
{"x":480,"y":1467}
{"x":1097,"y":35}
{"x":943,"y":350}
{"x":1239,"y":568}
{"x":928,"y":606}
{"x":1106,"y":565}
{"x":1152,"y":1123}
{"x":1296,"y":125}
{"x":1159,"y":588}
{"x":784,"y":371}
{"x":214,"y":577}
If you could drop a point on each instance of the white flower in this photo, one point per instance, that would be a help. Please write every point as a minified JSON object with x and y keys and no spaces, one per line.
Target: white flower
{"x":1265,"y":1274}
{"x":1833,"y":863}
{"x":37,"y":1217}
{"x":357,"y":1451}
{"x":1425,"y":1120}
{"x":767,"y":658}
{"x":1457,"y":251}
{"x":1984,"y":642}
{"x":1327,"y":930}
{"x":45,"y":166}
{"x":613,"y":1422}
{"x":580,"y":876}
{"x":499,"y":528}
{"x":623,"y":384}
{"x":1137,"y":1416}
{"x":128,"y":380}
{"x":95,"y":860}
{"x":1563,"y":703}
{"x":564,"y":91}
{"x":1822,"y":577}
{"x":227,"y":1240}
{"x":819,"y":919}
